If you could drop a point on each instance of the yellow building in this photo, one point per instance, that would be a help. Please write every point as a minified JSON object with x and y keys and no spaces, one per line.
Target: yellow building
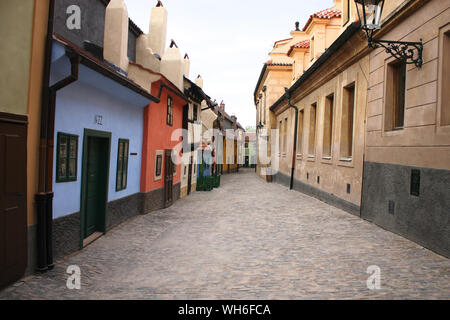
{"x":22,"y":62}
{"x":372,"y":131}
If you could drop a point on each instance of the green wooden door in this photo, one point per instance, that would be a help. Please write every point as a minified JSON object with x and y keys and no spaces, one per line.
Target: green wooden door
{"x":96,"y":184}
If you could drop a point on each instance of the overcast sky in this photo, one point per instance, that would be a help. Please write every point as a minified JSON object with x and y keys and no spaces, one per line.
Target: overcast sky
{"x":228,"y":41}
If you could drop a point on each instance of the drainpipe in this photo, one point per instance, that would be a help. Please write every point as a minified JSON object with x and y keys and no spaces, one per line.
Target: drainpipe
{"x":44,"y":197}
{"x":294,"y":151}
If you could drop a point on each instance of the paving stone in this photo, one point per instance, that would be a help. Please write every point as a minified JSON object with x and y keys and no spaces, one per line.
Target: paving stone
{"x":247,"y":240}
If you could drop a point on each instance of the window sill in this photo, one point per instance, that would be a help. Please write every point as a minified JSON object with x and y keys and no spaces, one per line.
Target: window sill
{"x":66,"y":180}
{"x":346,"y":159}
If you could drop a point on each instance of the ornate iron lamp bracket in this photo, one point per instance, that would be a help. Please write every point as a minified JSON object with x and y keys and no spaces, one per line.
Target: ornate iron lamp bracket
{"x":409,"y":52}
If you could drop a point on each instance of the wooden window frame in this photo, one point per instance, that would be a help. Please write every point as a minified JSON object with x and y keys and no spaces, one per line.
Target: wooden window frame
{"x":70,"y":138}
{"x":348,"y":158}
{"x":300,"y":132}
{"x":195,"y":113}
{"x":346,"y":14}
{"x":169,"y":119}
{"x":159,"y":155}
{"x":312,"y":140}
{"x":393,"y":102}
{"x":328,"y":98}
{"x":123,"y":171}
{"x":443,"y":84}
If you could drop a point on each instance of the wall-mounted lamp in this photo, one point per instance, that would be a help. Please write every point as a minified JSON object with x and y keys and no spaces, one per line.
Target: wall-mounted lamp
{"x":370,"y":12}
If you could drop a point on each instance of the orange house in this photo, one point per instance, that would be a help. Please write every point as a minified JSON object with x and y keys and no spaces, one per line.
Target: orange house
{"x":160,"y":177}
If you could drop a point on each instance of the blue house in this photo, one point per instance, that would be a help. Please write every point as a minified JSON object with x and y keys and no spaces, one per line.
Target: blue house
{"x":94,"y":133}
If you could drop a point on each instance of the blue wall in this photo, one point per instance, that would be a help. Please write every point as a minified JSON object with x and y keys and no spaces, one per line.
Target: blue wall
{"x":76,"y":108}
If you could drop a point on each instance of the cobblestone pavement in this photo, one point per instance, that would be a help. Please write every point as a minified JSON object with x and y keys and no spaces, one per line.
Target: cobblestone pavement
{"x":246,"y":240}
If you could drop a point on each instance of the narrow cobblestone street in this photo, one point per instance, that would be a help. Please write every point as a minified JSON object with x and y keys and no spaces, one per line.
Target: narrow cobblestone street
{"x":246,"y":240}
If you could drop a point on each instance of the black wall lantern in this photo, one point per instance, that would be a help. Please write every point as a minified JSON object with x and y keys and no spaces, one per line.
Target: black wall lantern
{"x":370,"y":12}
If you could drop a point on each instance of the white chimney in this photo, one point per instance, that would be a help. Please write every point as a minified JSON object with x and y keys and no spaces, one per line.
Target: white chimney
{"x":199,"y":81}
{"x":158,"y":29}
{"x":116,"y":34}
{"x":145,"y":56}
{"x":172,"y":66}
{"x":187,"y":66}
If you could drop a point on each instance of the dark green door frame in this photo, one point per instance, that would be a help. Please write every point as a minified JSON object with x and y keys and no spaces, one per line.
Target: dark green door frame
{"x":96,"y":134}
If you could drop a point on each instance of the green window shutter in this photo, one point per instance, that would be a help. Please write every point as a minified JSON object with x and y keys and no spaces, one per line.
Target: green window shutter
{"x":66,"y":158}
{"x":122,"y":164}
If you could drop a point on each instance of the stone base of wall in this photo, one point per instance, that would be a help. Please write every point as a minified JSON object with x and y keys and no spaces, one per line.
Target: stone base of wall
{"x":424,"y":219}
{"x":154,"y":200}
{"x":66,"y":235}
{"x":324,"y":196}
{"x":121,"y":210}
{"x":184,"y":190}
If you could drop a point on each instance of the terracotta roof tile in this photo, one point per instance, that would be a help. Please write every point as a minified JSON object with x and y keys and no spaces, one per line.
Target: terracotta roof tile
{"x":271,"y":63}
{"x":305,"y":44}
{"x":324,"y":14}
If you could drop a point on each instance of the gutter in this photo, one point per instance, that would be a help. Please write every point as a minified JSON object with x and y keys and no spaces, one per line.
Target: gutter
{"x":163,"y":85}
{"x":294,"y":151}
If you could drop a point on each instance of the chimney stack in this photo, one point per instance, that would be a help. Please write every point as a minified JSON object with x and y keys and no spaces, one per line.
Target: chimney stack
{"x":199,"y":81}
{"x":234,"y":118}
{"x":158,"y":29}
{"x":222,"y":106}
{"x":172,"y":66}
{"x":115,"y":48}
{"x":187,"y":66}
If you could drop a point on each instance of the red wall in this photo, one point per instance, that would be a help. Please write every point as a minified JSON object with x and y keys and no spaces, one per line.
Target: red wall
{"x":157,"y":135}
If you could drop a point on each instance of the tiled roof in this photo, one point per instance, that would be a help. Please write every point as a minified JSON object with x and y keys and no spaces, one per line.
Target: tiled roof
{"x":302,"y":44}
{"x":324,"y":14}
{"x":103,"y":68}
{"x":271,"y":63}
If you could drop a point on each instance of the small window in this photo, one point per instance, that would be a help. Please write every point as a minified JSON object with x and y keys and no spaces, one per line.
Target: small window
{"x":445,"y":80}
{"x":346,"y":15}
{"x":328,"y":126}
{"x":170,"y":111}
{"x":122,"y":164}
{"x":395,"y":96}
{"x":195,"y":112}
{"x":67,"y":156}
{"x":312,"y":129}
{"x":158,"y":165}
{"x":280,"y":137}
{"x":348,"y":107}
{"x":285,"y":135}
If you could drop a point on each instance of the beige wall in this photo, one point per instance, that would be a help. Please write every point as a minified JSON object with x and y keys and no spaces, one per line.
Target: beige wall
{"x":16,"y":19}
{"x":334,"y":173}
{"x":422,"y":142}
